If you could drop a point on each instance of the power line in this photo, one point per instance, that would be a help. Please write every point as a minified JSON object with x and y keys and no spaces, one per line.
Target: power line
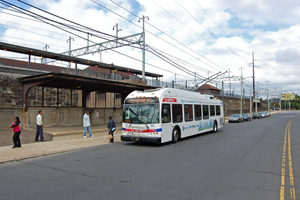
{"x":184,"y":44}
{"x":163,"y":33}
{"x":220,"y":29}
{"x":42,"y":18}
{"x":171,"y":62}
{"x":32,"y":15}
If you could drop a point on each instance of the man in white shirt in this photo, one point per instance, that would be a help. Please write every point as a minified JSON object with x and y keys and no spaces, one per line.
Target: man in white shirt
{"x":39,"y":127}
{"x":87,"y":124}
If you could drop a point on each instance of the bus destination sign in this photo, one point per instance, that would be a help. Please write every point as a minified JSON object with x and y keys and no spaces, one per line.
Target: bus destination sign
{"x":142,"y":100}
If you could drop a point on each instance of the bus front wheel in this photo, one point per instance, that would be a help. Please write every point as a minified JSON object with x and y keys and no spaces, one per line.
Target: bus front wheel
{"x":175,"y":135}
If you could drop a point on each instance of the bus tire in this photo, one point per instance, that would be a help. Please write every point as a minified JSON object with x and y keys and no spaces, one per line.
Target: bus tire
{"x":215,"y":127}
{"x":175,"y":135}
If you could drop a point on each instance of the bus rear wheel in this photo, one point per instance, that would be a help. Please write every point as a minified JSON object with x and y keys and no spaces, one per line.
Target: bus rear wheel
{"x":215,"y":127}
{"x":175,"y":135}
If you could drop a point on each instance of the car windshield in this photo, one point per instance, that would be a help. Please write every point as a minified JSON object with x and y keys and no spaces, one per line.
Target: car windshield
{"x":235,"y":115}
{"x":141,"y":113}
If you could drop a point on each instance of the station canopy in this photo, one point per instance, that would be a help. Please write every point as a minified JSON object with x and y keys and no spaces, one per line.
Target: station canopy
{"x":68,"y":81}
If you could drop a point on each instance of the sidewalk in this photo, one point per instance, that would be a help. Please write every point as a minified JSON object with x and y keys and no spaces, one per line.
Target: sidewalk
{"x":64,"y":139}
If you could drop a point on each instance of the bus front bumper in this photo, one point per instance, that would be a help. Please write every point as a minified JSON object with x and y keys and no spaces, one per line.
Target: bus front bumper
{"x":129,"y":138}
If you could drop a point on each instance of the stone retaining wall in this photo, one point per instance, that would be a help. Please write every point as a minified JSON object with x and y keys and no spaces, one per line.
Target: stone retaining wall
{"x":60,"y":117}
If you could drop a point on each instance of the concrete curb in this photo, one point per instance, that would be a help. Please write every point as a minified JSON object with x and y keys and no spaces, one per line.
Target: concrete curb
{"x":33,"y":150}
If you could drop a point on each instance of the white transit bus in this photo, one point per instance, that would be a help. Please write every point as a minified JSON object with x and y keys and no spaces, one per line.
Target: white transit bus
{"x":167,"y":114}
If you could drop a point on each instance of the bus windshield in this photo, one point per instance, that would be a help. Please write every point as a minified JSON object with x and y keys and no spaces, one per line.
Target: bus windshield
{"x":141,"y":113}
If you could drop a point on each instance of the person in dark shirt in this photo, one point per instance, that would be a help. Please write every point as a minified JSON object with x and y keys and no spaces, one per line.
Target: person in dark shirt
{"x":111,"y":127}
{"x":17,"y":131}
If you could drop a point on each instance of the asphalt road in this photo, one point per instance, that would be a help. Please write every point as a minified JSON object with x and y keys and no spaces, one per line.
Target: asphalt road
{"x":241,"y":161}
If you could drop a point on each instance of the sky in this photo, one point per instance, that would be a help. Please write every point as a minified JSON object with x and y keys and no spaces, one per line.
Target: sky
{"x":197,"y":37}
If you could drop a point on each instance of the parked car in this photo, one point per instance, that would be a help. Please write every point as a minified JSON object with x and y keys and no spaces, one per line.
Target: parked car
{"x":267,"y":114}
{"x":246,"y":117}
{"x":256,"y":116}
{"x":263,"y":114}
{"x":236,"y":118}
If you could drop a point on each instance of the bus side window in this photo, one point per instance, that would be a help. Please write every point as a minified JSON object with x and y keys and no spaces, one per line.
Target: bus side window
{"x":218,"y":108}
{"x":212,"y":110}
{"x":166,"y":114}
{"x":205,"y":112}
{"x":177,"y":113}
{"x":188,"y":113}
{"x":197,"y":109}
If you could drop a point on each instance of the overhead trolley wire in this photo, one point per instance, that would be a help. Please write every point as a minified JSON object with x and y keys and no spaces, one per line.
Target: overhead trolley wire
{"x":41,"y":18}
{"x":166,"y":35}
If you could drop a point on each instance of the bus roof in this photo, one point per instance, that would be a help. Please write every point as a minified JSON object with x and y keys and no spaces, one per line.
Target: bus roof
{"x":169,"y":92}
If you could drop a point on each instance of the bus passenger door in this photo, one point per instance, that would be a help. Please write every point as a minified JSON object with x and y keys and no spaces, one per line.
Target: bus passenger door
{"x":166,"y":123}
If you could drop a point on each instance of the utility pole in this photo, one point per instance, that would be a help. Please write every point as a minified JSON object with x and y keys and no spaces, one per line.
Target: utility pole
{"x":285,"y":100}
{"x":251,"y":104}
{"x":223,"y":101}
{"x":256,"y":96}
{"x":280,"y":98}
{"x":254,"y":91}
{"x":143,"y":45}
{"x":268,"y":95}
{"x":117,"y":31}
{"x":242,"y":90}
{"x":88,"y":42}
{"x":69,"y":41}
{"x":229,"y":81}
{"x":253,"y":75}
{"x":43,"y":60}
{"x":256,"y":103}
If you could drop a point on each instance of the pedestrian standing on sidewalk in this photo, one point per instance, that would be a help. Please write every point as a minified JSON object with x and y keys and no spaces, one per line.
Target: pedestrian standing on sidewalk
{"x":17,"y":131}
{"x":39,"y":127}
{"x":87,"y":124}
{"x":111,"y":128}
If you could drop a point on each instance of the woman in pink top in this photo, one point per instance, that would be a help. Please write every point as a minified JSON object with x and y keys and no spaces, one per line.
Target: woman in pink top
{"x":17,"y":131}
